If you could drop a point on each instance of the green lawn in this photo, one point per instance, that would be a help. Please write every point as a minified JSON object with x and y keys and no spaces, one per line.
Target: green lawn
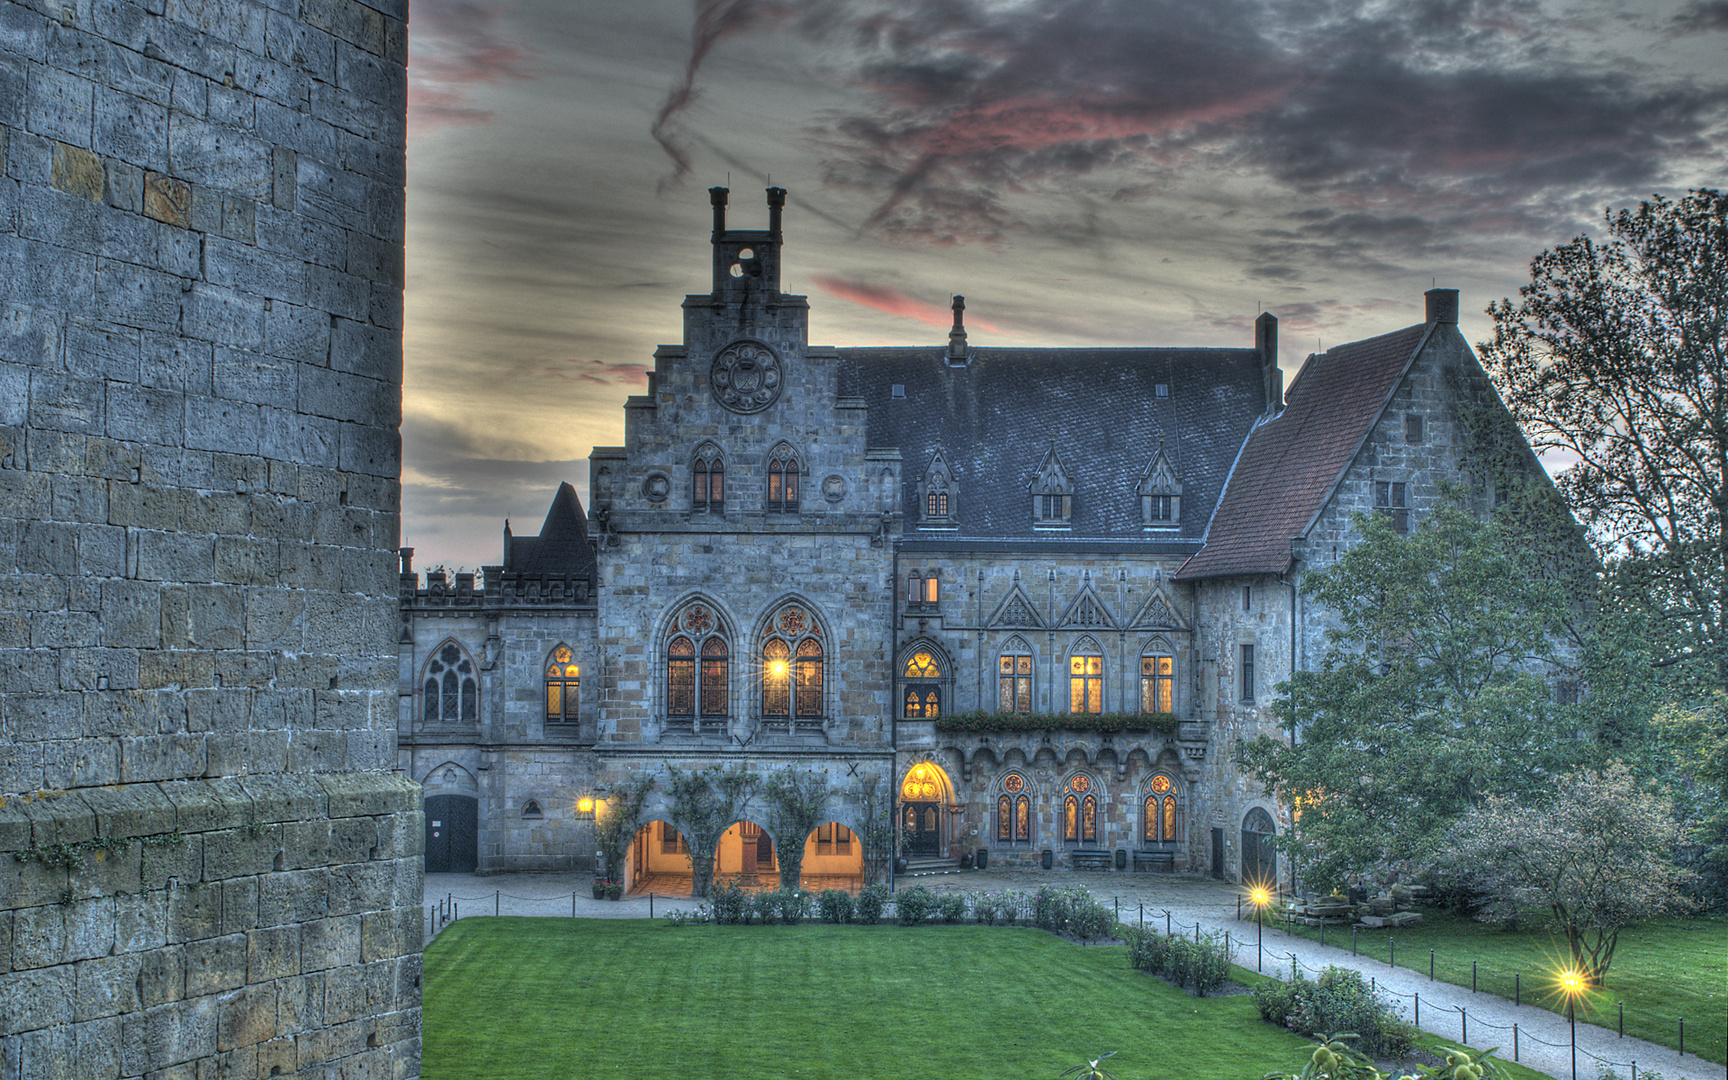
{"x":1668,"y":969}
{"x":526,"y":999}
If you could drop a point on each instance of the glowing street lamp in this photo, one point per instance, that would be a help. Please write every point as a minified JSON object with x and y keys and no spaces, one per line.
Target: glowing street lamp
{"x":1572,"y":986}
{"x":1261,"y":896}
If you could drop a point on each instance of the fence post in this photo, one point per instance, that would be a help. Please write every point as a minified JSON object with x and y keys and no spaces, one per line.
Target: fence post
{"x":1352,"y":940}
{"x":1167,"y":931}
{"x":1391,"y":952}
{"x":572,"y":903}
{"x":1682,"y":1036}
{"x":1430,"y":965}
{"x":1517,"y":988}
{"x":1117,"y":900}
{"x":650,"y":905}
{"x":1142,"y":916}
{"x":1515,"y":1048}
{"x":1622,"y":1005}
{"x":1472,"y":976}
{"x":1464,"y":1026}
{"x":1322,"y":933}
{"x":1418,"y":1020}
{"x":496,"y":896}
{"x":1197,"y":933}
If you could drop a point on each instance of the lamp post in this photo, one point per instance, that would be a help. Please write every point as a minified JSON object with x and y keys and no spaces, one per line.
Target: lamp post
{"x":1572,"y":984}
{"x":1260,"y":896}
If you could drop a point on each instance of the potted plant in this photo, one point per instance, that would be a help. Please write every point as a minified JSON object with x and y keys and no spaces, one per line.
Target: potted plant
{"x":599,"y":888}
{"x":614,"y":890}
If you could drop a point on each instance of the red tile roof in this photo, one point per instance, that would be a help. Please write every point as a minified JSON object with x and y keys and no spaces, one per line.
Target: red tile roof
{"x":1291,"y":463}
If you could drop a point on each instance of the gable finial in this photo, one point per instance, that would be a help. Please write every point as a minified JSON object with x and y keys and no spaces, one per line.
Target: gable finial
{"x":957,"y":354}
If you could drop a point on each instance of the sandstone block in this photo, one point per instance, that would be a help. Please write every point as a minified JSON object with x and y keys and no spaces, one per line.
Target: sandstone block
{"x":272,"y":953}
{"x":106,"y":986}
{"x":215,"y":964}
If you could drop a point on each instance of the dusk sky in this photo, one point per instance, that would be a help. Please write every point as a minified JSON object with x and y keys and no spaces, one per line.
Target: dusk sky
{"x":1085,"y":172}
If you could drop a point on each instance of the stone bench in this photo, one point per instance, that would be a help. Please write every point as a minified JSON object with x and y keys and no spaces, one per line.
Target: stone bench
{"x":1087,"y":859}
{"x":1155,"y":859}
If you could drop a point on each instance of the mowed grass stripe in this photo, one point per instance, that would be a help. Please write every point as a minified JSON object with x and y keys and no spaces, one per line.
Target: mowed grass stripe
{"x":537,"y":999}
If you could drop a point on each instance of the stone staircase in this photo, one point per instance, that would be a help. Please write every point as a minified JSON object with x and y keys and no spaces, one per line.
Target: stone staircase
{"x":928,"y":867}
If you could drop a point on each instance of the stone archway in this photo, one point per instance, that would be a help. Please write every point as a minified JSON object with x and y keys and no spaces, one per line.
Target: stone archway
{"x":925,"y":795}
{"x":1259,"y":860}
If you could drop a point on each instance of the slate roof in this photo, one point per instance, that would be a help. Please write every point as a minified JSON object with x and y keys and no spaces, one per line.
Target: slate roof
{"x":562,"y":547}
{"x":1292,"y":463}
{"x":993,"y":421}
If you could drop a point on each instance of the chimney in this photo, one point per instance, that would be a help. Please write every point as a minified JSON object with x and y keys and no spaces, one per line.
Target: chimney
{"x":717,"y":196}
{"x":1442,"y":306}
{"x":1271,"y":376}
{"x":406,"y":554}
{"x":776,"y":203}
{"x":957,"y":336}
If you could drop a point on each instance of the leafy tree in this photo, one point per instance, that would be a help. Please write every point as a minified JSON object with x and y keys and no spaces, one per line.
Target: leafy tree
{"x":1431,"y":694}
{"x":619,"y":820}
{"x":705,"y":803}
{"x":1616,"y":355}
{"x":797,"y":803}
{"x":1698,"y":739}
{"x":1593,"y":848}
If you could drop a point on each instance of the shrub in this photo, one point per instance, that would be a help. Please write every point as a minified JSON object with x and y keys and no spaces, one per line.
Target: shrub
{"x":794,"y":904}
{"x":1012,"y":906}
{"x":1339,"y":1000}
{"x":985,"y":908}
{"x":1203,"y":966}
{"x":730,"y":903}
{"x":835,"y":905}
{"x":1072,"y":911}
{"x":764,"y":907}
{"x":951,"y":907}
{"x":914,"y":905}
{"x":871,"y":900}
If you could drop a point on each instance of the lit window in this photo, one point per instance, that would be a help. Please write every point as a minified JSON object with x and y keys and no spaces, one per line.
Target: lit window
{"x":921,"y":698}
{"x":1080,"y":811}
{"x":697,"y":667}
{"x":1086,"y":683}
{"x":708,"y":481}
{"x":1157,"y":684}
{"x":1014,"y":678}
{"x":833,"y":839}
{"x":450,"y":693}
{"x":792,"y":666}
{"x":923,"y":588}
{"x":1158,"y":812}
{"x":563,"y":680}
{"x":783,"y":481}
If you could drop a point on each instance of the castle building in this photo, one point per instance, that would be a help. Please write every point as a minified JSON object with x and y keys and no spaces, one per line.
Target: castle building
{"x":1039,"y":593}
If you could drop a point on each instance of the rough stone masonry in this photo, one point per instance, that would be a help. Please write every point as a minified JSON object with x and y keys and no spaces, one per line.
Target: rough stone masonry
{"x":207,"y":865}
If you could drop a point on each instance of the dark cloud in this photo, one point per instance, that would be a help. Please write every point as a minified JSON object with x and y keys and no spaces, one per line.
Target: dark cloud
{"x":1440,"y":108}
{"x":1703,"y":15}
{"x":458,"y":45}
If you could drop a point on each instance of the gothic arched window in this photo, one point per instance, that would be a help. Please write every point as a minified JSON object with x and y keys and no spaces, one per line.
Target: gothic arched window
{"x":783,"y":481}
{"x":450,"y":692}
{"x":1014,"y":810}
{"x":792,"y":666}
{"x":1080,"y":811}
{"x":1158,"y":812}
{"x":1157,"y":679}
{"x":921,"y":687}
{"x":697,"y":666}
{"x":563,"y":681}
{"x":1086,"y":679}
{"x":708,"y":480}
{"x":1014,"y":677}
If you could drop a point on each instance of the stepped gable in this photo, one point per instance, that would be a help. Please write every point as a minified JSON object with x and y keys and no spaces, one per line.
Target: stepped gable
{"x":994,"y":418}
{"x":1293,"y":462}
{"x":562,"y":548}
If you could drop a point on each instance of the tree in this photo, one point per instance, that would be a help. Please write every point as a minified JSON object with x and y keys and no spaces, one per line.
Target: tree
{"x":1698,"y":740}
{"x":875,"y":825}
{"x":1594,"y":849}
{"x":619,"y":820}
{"x":705,"y":803}
{"x":797,"y":803}
{"x":1616,"y":355}
{"x":1432,"y":693}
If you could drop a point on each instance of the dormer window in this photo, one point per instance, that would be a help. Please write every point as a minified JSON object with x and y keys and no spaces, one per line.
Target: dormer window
{"x":1160,"y":494}
{"x":708,"y":481}
{"x":1052,"y":493}
{"x":937,"y":487}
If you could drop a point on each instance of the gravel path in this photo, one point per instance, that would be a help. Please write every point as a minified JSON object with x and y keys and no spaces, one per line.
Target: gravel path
{"x":1543,"y":1037}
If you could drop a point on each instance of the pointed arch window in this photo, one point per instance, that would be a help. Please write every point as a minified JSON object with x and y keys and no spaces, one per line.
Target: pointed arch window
{"x":783,"y":481}
{"x":921,"y":686}
{"x":1086,"y":680}
{"x":1157,"y":679}
{"x":450,"y":693}
{"x":1014,"y":677}
{"x":793,"y":667}
{"x":708,"y":481}
{"x":1080,"y":811}
{"x":1158,"y":812}
{"x":923,"y":588}
{"x":1014,"y":810}
{"x":563,"y":685}
{"x":697,"y":668}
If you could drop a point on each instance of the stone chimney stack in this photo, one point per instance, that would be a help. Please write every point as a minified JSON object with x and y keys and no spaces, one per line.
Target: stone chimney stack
{"x":776,"y":203}
{"x":717,"y":196}
{"x":1271,"y":376}
{"x":957,"y":336}
{"x":1442,"y":306}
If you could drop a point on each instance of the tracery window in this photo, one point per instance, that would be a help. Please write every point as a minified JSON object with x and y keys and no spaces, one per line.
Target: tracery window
{"x":563,"y":681}
{"x":708,"y":480}
{"x":1014,"y":677}
{"x":697,"y":666}
{"x":1086,"y":680}
{"x":921,"y":695}
{"x":792,"y":666}
{"x":1080,"y":811}
{"x":1157,"y":681}
{"x":1014,"y":810}
{"x":783,"y":481}
{"x":451,"y":692}
{"x":1158,"y":812}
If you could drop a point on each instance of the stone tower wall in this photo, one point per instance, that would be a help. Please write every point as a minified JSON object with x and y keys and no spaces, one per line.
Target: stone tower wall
{"x":201,"y":221}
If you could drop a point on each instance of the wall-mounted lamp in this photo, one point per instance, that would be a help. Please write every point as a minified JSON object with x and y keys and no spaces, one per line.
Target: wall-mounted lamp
{"x":585,"y":807}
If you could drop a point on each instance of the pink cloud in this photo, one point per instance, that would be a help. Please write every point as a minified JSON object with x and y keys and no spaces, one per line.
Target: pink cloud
{"x":604,"y":372}
{"x":458,"y":45}
{"x":894,"y":302}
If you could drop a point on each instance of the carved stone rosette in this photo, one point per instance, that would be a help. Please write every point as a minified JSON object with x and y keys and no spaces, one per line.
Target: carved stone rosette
{"x":746,"y":377}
